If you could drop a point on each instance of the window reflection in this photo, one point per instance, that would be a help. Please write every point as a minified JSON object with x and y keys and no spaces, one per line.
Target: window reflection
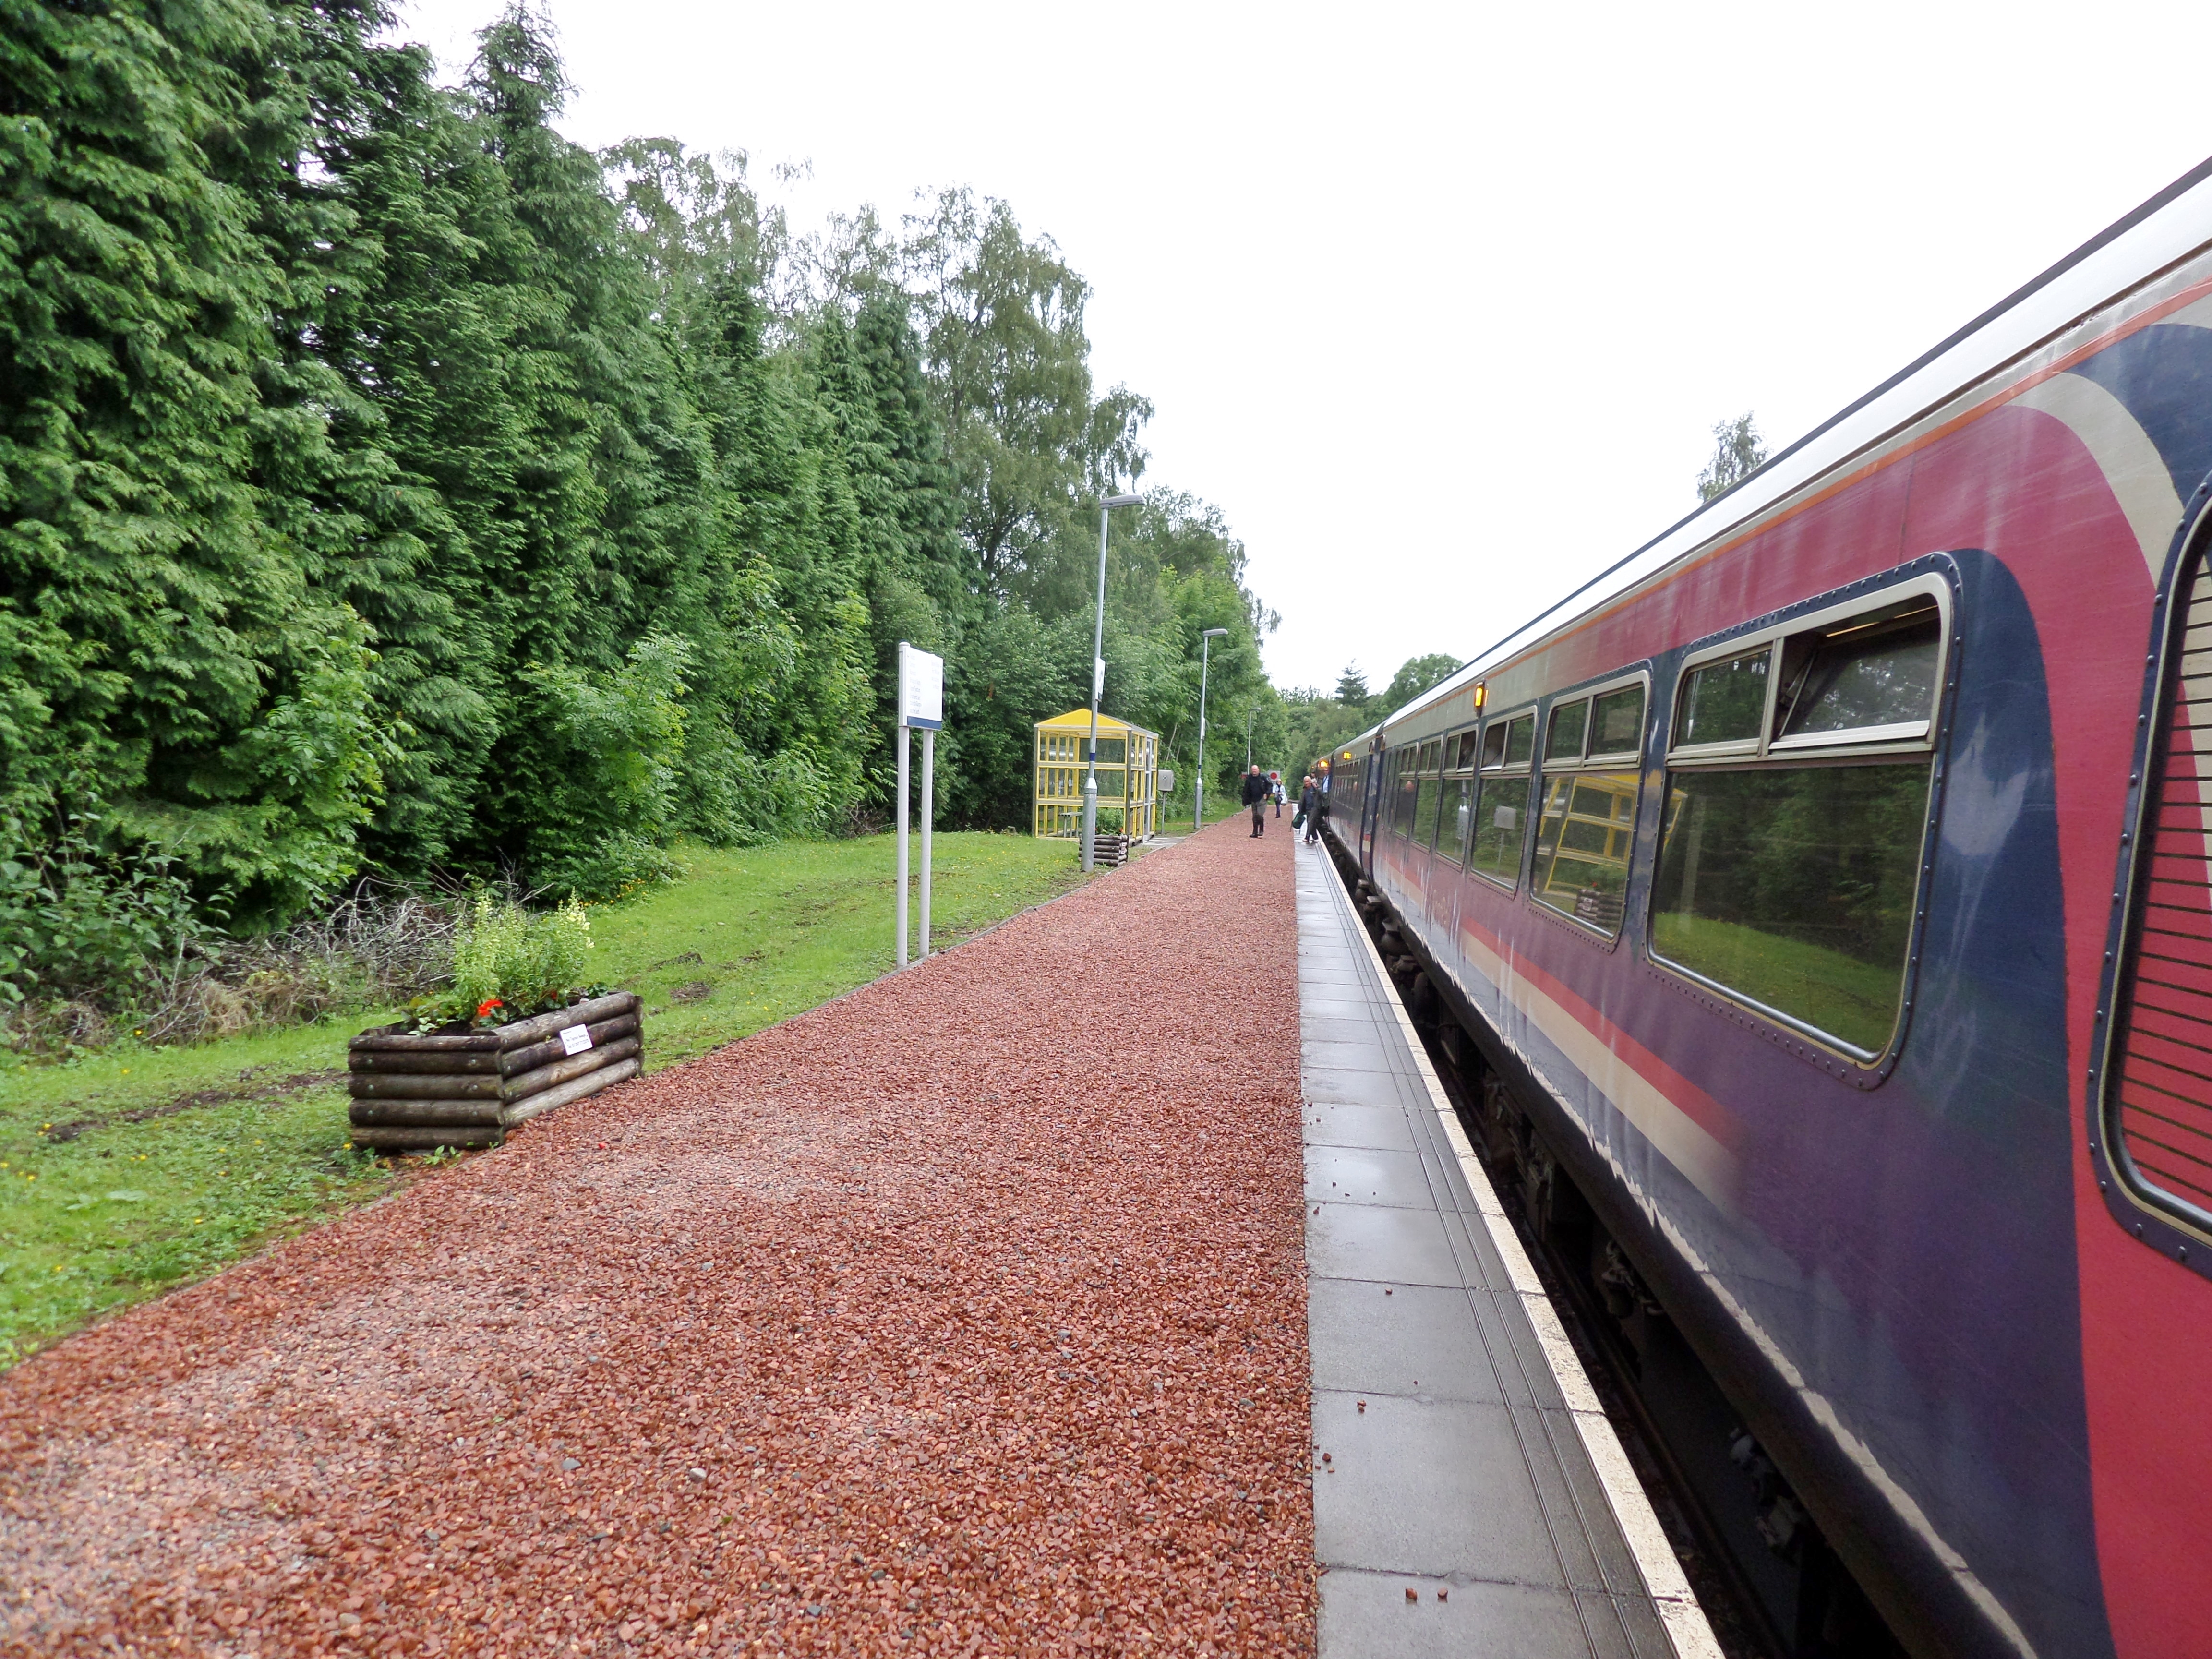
{"x":1425,"y":810}
{"x":1617,"y":722}
{"x":1582,"y":843}
{"x":1882,"y":678}
{"x":1458,"y":817}
{"x":1796,"y":887}
{"x":1564,"y":740}
{"x":1723,"y":702}
{"x":1500,"y":813}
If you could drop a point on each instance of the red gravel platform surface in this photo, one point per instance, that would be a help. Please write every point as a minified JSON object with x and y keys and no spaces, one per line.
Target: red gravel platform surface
{"x":964,"y":1315}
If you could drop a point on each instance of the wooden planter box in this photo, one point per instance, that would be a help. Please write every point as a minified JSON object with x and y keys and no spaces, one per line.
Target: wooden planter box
{"x":414,"y":1093}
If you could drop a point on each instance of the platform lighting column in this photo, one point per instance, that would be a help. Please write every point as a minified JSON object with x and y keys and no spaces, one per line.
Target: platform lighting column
{"x":1099,"y":684}
{"x":1198,"y":788}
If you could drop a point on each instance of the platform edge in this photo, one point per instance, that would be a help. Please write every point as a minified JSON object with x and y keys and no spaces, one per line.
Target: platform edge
{"x":1684,"y":1620}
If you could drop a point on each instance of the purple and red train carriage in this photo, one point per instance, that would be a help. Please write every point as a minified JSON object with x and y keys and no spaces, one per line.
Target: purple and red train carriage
{"x":1824,"y":895}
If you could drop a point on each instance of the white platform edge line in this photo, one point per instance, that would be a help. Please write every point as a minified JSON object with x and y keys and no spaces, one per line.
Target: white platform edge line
{"x":1687,"y":1627}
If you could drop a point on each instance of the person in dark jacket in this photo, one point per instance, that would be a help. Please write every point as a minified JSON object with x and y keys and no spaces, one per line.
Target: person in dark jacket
{"x":1257,"y":790}
{"x":1309,"y":809}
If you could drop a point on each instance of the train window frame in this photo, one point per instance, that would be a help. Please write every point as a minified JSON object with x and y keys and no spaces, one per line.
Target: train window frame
{"x":1488,"y":771}
{"x":1865,"y":746}
{"x":1405,"y":776}
{"x":1609,"y":762}
{"x":1427,"y":771}
{"x":1888,"y":604}
{"x":1462,"y":751}
{"x":1565,"y":760}
{"x":2138,"y":1194}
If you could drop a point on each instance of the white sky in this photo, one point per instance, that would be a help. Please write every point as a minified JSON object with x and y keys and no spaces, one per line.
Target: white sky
{"x":1440,"y":303}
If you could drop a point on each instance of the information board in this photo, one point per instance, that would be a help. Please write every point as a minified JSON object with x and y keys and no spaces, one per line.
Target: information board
{"x":920,"y":689}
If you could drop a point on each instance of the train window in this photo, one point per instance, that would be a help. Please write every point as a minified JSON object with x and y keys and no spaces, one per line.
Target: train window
{"x":1583,"y":836}
{"x":1724,"y":702}
{"x":1520,"y":741}
{"x":1457,"y":812}
{"x":1870,"y":682}
{"x":2156,"y":1085}
{"x":1501,"y":808}
{"x":1617,"y":723}
{"x":1586,"y":822}
{"x":1493,"y":743}
{"x":1562,"y":737}
{"x":1408,"y":791}
{"x":1790,"y":859}
{"x":1430,"y":789}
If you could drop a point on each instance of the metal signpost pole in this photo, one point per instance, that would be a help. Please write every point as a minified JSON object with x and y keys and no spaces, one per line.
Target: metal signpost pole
{"x":920,"y":705}
{"x":928,"y":814}
{"x":1198,"y":787}
{"x":1099,"y":684}
{"x":902,"y":745}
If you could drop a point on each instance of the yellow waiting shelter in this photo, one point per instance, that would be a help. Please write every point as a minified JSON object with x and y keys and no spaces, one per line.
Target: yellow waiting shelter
{"x":1128,"y":776}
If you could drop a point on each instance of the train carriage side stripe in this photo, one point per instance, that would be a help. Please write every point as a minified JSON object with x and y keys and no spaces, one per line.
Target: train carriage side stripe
{"x":1615,"y":1065}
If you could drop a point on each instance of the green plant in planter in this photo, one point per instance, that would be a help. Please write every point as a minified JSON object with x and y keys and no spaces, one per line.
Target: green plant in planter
{"x":509,"y":963}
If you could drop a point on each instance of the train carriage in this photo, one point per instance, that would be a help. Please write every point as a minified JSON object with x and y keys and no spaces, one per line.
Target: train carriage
{"x":1825,"y":893}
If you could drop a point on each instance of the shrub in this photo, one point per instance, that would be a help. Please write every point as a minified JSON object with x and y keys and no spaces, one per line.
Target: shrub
{"x":508,"y":964}
{"x":83,"y":918}
{"x":608,"y":803}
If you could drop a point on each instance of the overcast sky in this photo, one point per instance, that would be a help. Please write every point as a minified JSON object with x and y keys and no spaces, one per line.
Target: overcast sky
{"x":1440,"y":303}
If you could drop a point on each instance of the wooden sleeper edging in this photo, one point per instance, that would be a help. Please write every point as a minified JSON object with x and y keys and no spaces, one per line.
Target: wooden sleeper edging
{"x":414,"y":1093}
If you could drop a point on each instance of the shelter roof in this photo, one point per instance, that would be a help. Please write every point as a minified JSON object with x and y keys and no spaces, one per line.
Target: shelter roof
{"x":1080,"y":720}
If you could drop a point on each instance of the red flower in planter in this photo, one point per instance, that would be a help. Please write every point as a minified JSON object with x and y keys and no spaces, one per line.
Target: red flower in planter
{"x":484,"y":1008}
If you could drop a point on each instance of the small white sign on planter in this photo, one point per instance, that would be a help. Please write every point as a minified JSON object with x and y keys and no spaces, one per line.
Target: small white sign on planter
{"x":574,"y":1039}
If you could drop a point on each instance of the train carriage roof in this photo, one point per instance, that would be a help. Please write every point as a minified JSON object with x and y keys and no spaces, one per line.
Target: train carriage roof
{"x":2165,"y":230}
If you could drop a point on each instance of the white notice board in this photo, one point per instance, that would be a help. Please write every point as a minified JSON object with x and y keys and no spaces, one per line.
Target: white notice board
{"x":920,"y":689}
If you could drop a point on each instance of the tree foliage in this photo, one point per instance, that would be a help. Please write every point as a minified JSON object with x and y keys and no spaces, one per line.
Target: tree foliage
{"x":1738,"y":452}
{"x":387,"y":483}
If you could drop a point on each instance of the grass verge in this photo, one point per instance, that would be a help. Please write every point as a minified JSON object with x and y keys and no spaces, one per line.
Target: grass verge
{"x":124,"y":1172}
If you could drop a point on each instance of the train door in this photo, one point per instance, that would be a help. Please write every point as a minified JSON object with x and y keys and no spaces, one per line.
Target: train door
{"x":1371,"y":803}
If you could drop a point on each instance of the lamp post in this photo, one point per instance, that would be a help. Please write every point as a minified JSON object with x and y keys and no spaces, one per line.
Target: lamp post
{"x":1198,"y":787}
{"x":1098,"y":682}
{"x":1247,"y":734}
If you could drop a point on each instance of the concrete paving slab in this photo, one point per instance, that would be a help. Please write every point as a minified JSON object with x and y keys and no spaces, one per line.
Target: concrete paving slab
{"x":1347,"y":1054}
{"x":1359,"y":1088}
{"x":1371,"y":1340}
{"x":1433,"y":1487}
{"x":1335,"y":1124}
{"x":1366,"y":1175}
{"x":1365,"y":1241}
{"x":1367,"y":1614}
{"x":1335,"y":1008}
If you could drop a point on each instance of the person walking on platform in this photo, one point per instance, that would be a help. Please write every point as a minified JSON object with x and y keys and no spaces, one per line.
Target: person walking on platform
{"x":1275,"y":789}
{"x":1309,"y":809}
{"x":1256,"y":791}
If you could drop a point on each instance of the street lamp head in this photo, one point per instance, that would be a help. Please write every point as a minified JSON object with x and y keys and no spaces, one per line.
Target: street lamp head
{"x":1215,"y":633}
{"x":1123,"y":501}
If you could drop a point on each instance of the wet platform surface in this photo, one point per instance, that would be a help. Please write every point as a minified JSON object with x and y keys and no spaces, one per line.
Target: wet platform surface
{"x":1454,"y":1430}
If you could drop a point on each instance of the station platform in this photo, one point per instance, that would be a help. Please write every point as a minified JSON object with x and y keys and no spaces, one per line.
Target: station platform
{"x":1470,"y":1497}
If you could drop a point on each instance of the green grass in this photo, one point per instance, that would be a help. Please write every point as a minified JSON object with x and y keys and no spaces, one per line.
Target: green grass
{"x":1838,"y":994}
{"x":756,"y":936}
{"x":127,"y":1171}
